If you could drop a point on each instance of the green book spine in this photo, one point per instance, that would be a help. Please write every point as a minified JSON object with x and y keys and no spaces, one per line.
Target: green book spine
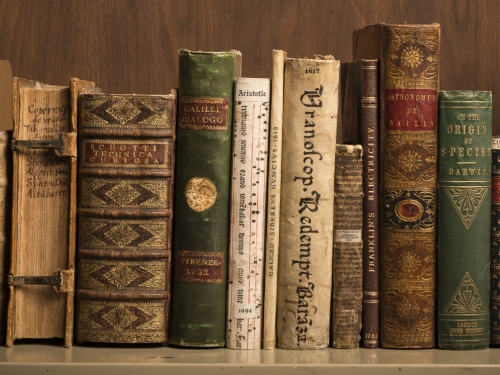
{"x":464,"y":217}
{"x":201,"y":198}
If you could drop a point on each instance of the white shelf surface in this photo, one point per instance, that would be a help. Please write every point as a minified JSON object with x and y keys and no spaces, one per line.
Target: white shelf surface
{"x":151,"y":360}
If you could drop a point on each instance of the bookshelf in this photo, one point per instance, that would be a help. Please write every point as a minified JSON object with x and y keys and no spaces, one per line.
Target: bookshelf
{"x":29,"y":359}
{"x":130,"y":46}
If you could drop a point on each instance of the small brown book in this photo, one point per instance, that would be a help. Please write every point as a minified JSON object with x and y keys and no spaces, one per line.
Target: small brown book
{"x":360,"y":124}
{"x":40,"y":279}
{"x":126,"y":163}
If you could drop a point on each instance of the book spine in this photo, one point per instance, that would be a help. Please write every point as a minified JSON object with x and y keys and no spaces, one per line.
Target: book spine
{"x":5,"y":210}
{"x":310,"y":107}
{"x":369,"y":124}
{"x":125,"y":198}
{"x":408,"y":183}
{"x":248,"y":205}
{"x":495,"y":242}
{"x":273,"y":202}
{"x":42,"y":188}
{"x":347,"y":247}
{"x":465,"y":141}
{"x":202,"y":197}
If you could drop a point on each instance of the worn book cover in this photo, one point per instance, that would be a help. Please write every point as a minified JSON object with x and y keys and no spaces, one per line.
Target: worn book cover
{"x":126,"y":169}
{"x":202,"y":198}
{"x":5,"y":224}
{"x":409,"y":82}
{"x":40,"y":279}
{"x":464,"y":220}
{"x":495,"y":242}
{"x":360,"y":124}
{"x":247,"y":216}
{"x":347,"y":247}
{"x":310,"y":107}
{"x":273,"y":201}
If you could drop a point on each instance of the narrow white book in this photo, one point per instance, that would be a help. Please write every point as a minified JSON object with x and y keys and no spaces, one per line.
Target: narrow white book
{"x":248,"y":205}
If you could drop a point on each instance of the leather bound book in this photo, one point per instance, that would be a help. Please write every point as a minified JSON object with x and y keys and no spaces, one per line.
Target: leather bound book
{"x":409,"y":83}
{"x":273,"y":201}
{"x":126,"y":166}
{"x":202,"y":199}
{"x":310,"y":108}
{"x":247,"y":217}
{"x":5,"y":223}
{"x":464,"y":220}
{"x":41,"y":281}
{"x":347,"y":247}
{"x":360,"y":124}
{"x":495,"y":243}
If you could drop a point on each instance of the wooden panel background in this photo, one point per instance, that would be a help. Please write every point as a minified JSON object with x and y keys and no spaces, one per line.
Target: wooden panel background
{"x":130,"y":46}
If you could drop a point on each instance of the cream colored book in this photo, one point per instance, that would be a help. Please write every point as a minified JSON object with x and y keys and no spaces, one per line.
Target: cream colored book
{"x":248,"y":204}
{"x":310,"y":107}
{"x":273,"y":201}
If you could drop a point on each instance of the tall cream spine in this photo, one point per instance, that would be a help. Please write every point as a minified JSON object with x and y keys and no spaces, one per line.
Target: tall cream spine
{"x":273,"y":201}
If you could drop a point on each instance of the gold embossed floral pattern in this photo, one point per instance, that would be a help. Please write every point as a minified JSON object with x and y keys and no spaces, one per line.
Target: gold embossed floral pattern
{"x":120,"y":317}
{"x":123,"y":111}
{"x":122,"y":234}
{"x":410,"y":161}
{"x":412,"y":57}
{"x":409,"y":261}
{"x":123,"y":193}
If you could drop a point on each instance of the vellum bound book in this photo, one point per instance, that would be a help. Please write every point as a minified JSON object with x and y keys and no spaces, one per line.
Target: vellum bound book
{"x":310,"y":107}
{"x":126,"y":163}
{"x":40,"y":279}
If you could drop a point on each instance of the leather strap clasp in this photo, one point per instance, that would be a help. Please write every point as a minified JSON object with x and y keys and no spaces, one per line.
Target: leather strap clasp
{"x":65,"y":145}
{"x":62,"y":280}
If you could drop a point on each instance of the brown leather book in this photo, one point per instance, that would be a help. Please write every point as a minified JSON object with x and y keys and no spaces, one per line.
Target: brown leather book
{"x":360,"y":125}
{"x":409,"y":82}
{"x":126,"y":164}
{"x":40,"y":278}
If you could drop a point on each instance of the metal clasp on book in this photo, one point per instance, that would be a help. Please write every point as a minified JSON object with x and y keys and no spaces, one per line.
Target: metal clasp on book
{"x":62,"y":280}
{"x":65,"y":145}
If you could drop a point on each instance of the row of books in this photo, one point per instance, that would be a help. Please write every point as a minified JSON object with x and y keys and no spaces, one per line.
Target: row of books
{"x":267,"y":233}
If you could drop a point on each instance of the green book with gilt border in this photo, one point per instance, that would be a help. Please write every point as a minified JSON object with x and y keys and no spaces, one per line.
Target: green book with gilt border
{"x":464,"y":217}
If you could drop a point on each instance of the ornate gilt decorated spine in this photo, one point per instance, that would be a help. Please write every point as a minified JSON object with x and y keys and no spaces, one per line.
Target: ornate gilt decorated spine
{"x":495,"y":242}
{"x":5,"y":212}
{"x":273,"y":201}
{"x":247,"y":217}
{"x":310,"y":107}
{"x":202,"y":198}
{"x":126,"y":165}
{"x":409,"y":83}
{"x":464,"y":220}
{"x":347,"y":247}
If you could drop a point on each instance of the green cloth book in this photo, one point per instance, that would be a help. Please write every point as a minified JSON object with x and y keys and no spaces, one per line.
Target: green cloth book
{"x":464,"y":217}
{"x":201,"y":198}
